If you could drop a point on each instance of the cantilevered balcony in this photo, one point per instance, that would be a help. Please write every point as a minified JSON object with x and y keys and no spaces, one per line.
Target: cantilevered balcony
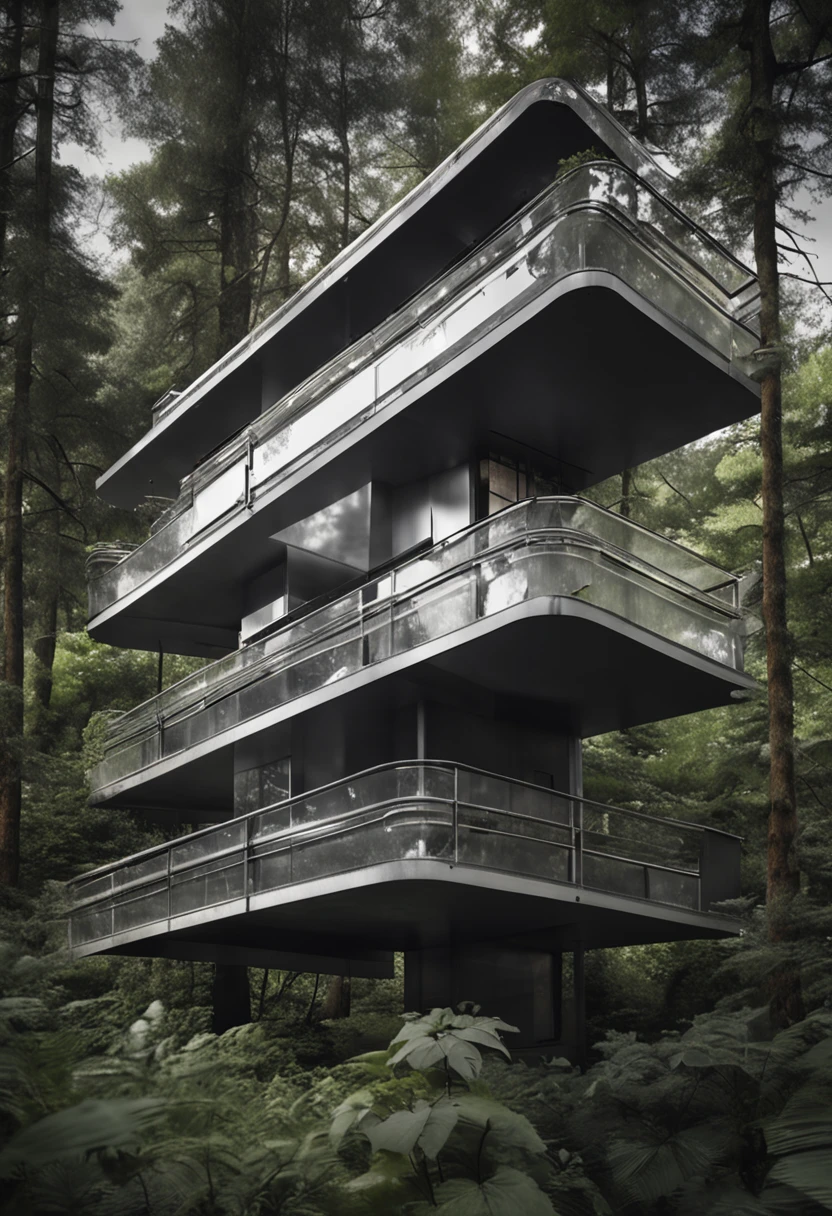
{"x":645,"y":629}
{"x":409,"y":856}
{"x":503,"y":164}
{"x":527,"y":338}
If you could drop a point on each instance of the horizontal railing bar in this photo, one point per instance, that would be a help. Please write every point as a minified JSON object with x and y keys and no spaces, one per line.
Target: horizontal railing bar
{"x":650,"y":865}
{"x":114,"y":898}
{"x":408,"y":766}
{"x":358,"y":865}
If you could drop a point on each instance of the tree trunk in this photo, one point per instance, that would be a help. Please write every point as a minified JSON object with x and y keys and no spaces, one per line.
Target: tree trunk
{"x":9,"y":115}
{"x":783,"y":881}
{"x":642,"y":112}
{"x":610,"y":83}
{"x":10,"y":770}
{"x":626,"y":491}
{"x":17,"y":425}
{"x":43,"y":650}
{"x":43,"y":645}
{"x":236,"y":226}
{"x":337,"y":1000}
{"x":346,"y":152}
{"x":236,"y":259}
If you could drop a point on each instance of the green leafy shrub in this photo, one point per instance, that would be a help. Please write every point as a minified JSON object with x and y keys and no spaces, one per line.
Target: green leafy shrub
{"x":715,"y":1120}
{"x":438,"y":1140}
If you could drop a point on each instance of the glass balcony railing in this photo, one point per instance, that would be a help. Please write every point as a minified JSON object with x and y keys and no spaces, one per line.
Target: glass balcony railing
{"x":598,"y":217}
{"x":425,"y":811}
{"x":539,"y":548}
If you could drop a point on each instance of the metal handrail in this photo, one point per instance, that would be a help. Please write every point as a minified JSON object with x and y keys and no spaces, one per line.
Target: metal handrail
{"x":443,"y":810}
{"x":440,"y":765}
{"x":121,"y":732}
{"x":197,"y":477}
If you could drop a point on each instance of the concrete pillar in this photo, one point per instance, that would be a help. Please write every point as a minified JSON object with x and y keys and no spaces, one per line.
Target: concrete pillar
{"x":523,"y":987}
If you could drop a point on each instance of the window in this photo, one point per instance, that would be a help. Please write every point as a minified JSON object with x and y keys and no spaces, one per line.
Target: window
{"x":506,"y":479}
{"x":255,"y":788}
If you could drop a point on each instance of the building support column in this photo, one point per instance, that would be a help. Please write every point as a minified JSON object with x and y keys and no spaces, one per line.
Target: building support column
{"x":579,"y":997}
{"x":230,"y":997}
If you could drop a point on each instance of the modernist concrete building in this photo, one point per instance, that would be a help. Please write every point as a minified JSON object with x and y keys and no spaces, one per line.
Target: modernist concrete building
{"x":376,"y":536}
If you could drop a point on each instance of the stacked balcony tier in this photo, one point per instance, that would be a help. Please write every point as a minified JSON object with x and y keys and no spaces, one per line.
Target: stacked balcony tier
{"x":500,"y":167}
{"x":392,"y":857}
{"x":528,"y":337}
{"x":479,"y":604}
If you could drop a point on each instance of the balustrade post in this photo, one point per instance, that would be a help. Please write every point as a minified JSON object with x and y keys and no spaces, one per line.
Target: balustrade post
{"x":579,"y":997}
{"x":456,"y":814}
{"x":246,"y":861}
{"x":578,"y":839}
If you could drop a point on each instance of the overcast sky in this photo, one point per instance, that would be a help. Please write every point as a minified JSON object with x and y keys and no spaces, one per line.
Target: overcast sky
{"x":144,"y":20}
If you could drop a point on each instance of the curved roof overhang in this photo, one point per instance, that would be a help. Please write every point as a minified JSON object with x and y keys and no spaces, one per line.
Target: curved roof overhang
{"x":498,"y":169}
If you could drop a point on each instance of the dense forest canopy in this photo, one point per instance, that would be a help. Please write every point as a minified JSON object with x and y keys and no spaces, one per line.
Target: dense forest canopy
{"x":277,"y":132}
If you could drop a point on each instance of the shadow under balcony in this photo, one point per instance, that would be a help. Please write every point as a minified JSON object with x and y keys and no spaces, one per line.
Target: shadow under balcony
{"x":554,"y":598}
{"x":526,"y":338}
{"x":410,"y":856}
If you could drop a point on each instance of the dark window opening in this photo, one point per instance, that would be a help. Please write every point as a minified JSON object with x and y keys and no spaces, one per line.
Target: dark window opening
{"x":505,"y":479}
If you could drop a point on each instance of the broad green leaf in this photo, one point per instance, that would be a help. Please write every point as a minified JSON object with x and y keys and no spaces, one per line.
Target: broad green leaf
{"x":427,"y":1050}
{"x":426,"y":1125}
{"x":441,"y":1122}
{"x":818,"y":1059}
{"x":410,"y":1030}
{"x":362,"y":1099}
{"x":511,"y":1129}
{"x":474,"y":1034}
{"x":424,"y":1052}
{"x":508,"y":1192}
{"x":361,"y":1120}
{"x":399,"y":1132}
{"x":464,"y":1020}
{"x":388,"y":1186}
{"x":692,"y":1057}
{"x":646,"y":1172}
{"x":464,"y":1058}
{"x":341,"y":1124}
{"x":373,"y":1061}
{"x":89,"y":1127}
{"x":810,"y":1173}
{"x":797,"y":1130}
{"x":356,"y":1108}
